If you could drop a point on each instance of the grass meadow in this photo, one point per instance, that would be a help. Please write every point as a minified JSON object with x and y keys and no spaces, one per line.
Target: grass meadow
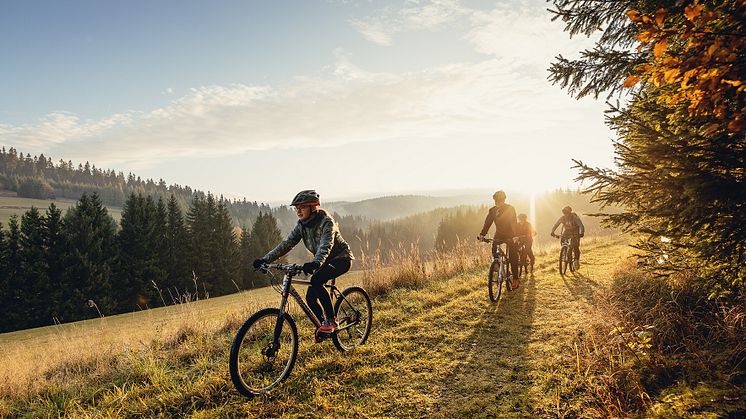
{"x":438,"y":347}
{"x":10,"y":205}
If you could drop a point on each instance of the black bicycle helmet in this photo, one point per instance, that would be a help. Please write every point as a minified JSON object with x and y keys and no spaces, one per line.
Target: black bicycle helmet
{"x":307,"y":197}
{"x":499,"y":195}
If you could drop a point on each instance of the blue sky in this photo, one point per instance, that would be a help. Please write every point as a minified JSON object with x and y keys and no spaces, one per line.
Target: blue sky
{"x":260,"y":99}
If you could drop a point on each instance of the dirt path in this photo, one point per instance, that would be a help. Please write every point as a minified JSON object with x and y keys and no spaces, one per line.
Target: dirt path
{"x":446,"y":351}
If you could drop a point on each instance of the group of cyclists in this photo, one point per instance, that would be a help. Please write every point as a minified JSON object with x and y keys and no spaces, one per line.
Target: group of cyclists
{"x":515,"y":231}
{"x":266,"y":345}
{"x":332,"y":255}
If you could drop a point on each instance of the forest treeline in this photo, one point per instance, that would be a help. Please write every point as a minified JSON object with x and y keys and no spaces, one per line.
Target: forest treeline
{"x":57,"y":267}
{"x":40,"y":178}
{"x":60,"y":268}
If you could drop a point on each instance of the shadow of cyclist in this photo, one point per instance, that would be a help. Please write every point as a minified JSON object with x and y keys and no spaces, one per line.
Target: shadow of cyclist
{"x":580,"y":286}
{"x":492,"y":376}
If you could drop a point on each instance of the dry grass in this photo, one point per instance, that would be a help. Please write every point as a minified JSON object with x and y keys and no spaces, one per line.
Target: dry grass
{"x":663,"y":348}
{"x":28,"y":354}
{"x":409,"y":269}
{"x":438,"y":348}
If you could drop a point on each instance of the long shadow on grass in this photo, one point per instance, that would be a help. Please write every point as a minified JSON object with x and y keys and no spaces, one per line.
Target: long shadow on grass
{"x":580,"y":286}
{"x":492,"y":378}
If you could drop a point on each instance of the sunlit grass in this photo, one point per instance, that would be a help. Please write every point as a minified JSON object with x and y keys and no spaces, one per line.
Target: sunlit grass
{"x":438,"y":347}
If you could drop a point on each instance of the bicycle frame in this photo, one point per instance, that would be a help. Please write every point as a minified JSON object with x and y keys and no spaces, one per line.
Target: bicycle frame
{"x":289,"y":291}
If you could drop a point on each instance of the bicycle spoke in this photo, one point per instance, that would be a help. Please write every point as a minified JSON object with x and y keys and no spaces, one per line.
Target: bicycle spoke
{"x":262,"y":361}
{"x":354,"y":311}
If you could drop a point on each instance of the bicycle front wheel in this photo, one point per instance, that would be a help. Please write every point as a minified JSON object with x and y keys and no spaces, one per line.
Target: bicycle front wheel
{"x":354,"y":313}
{"x":563,"y":260}
{"x":495,"y":278}
{"x":263,"y":352}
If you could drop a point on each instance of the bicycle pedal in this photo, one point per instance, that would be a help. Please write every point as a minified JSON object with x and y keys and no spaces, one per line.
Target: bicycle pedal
{"x":320,"y":336}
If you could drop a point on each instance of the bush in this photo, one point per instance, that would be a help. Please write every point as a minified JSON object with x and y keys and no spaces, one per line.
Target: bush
{"x":653,"y":336}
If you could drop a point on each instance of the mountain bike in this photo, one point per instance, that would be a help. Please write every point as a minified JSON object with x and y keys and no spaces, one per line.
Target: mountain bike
{"x":523,"y":262}
{"x":566,"y":257}
{"x":265,"y":348}
{"x":498,"y":273}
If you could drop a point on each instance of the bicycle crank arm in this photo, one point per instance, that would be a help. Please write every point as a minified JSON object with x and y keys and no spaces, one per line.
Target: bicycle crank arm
{"x":347,"y":326}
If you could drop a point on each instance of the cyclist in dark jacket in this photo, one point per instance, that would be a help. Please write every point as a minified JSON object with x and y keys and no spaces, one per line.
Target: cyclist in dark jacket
{"x":526,"y":235}
{"x":332,"y":255}
{"x":573,"y":229}
{"x":503,"y":216}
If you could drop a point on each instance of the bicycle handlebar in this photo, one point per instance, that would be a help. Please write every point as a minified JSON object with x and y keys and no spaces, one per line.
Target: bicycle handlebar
{"x":486,"y":240}
{"x":285,"y":267}
{"x":563,"y":236}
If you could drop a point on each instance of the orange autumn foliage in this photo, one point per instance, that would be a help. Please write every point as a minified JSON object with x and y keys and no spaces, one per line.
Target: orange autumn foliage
{"x":697,"y":58}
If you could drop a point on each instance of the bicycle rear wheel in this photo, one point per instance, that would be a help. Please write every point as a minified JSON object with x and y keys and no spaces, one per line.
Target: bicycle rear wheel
{"x":523,"y":267}
{"x":495,"y":278}
{"x":571,"y":261}
{"x":563,"y":260}
{"x":354,"y":313}
{"x":258,"y":362}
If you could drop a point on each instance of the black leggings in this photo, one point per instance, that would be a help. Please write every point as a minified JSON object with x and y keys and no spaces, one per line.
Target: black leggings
{"x":512,"y":253}
{"x":529,"y":251}
{"x":317,"y":293}
{"x":575,"y":247}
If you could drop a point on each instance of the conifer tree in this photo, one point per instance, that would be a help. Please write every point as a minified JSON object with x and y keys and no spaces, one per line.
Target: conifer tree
{"x":265,"y":235}
{"x":90,"y":239}
{"x":178,"y":266}
{"x":5,"y":297}
{"x":225,"y":251}
{"x":681,"y":150}
{"x":139,"y":262}
{"x":14,"y":303}
{"x":33,"y":291}
{"x":246,"y":260}
{"x":55,"y":245}
{"x":199,"y":228}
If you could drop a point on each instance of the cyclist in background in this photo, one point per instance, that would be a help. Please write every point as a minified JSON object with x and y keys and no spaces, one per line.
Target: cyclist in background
{"x":503,"y":216}
{"x":332,"y":255}
{"x":573,"y":229}
{"x":526,"y":234}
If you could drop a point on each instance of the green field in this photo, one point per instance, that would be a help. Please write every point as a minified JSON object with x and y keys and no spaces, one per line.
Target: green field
{"x":10,"y":205}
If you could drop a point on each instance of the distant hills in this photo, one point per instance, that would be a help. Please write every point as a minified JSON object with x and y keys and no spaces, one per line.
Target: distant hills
{"x":391,"y":207}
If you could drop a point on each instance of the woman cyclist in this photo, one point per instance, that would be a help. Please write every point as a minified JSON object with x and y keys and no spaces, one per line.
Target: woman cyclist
{"x":332,"y":255}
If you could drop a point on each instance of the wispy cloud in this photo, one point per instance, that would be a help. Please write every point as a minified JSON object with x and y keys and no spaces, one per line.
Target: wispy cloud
{"x":349,"y":105}
{"x":386,"y":23}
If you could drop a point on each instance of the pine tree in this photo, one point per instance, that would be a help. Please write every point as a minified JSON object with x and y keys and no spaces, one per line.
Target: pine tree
{"x":90,"y":239}
{"x":5,"y":297}
{"x":15,"y":309}
{"x":265,"y":235}
{"x":225,"y":251}
{"x":34,"y":283}
{"x":245,"y":256}
{"x":178,"y":266}
{"x":199,"y":228}
{"x":138,"y":270}
{"x":56,"y":251}
{"x":681,"y":150}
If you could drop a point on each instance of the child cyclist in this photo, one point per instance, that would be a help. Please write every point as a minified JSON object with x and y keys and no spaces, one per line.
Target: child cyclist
{"x":332,"y":255}
{"x":526,"y":234}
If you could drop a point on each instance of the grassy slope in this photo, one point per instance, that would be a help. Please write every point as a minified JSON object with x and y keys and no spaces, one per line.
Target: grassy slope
{"x":12,"y":205}
{"x":442,"y":350}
